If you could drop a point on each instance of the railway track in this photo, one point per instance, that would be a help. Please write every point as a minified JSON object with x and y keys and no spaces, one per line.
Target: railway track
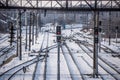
{"x":3,"y":42}
{"x":5,"y":54}
{"x":114,"y":73}
{"x":102,"y":45}
{"x":45,"y":54}
{"x":91,"y":59}
{"x":26,"y":64}
{"x":48,"y":48}
{"x":36,"y":66}
{"x":101,"y":60}
{"x":44,"y":49}
{"x":30,"y":63}
{"x":3,"y":39}
{"x":104,"y":48}
{"x":83,"y":75}
{"x":11,"y":72}
{"x":70,"y":60}
{"x":5,"y":50}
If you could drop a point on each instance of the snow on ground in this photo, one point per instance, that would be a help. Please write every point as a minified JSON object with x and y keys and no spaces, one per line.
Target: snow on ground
{"x":68,"y":68}
{"x":25,"y":55}
{"x":75,"y":74}
{"x":52,"y":65}
{"x":25,"y":76}
{"x":64,"y":72}
{"x":78,"y":57}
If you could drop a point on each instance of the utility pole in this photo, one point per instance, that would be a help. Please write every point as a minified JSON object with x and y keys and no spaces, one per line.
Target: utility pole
{"x":30,"y":32}
{"x":20,"y":38}
{"x":33,"y":29}
{"x":87,"y":19}
{"x":37,"y":25}
{"x":99,"y":34}
{"x":36,"y":18}
{"x":95,"y":56}
{"x":109,"y":28}
{"x":17,"y":50}
{"x":40,"y":21}
{"x":100,"y":37}
{"x":26,"y":29}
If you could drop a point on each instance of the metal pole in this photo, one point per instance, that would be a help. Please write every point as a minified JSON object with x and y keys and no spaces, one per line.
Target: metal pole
{"x":87,"y":20}
{"x":36,"y":27}
{"x":54,"y":22}
{"x":39,"y":24}
{"x":95,"y":59}
{"x":99,"y":34}
{"x":17,"y":52}
{"x":36,"y":18}
{"x":21,"y":2}
{"x":58,"y":74}
{"x":116,"y":35}
{"x":20,"y":36}
{"x":109,"y":28}
{"x":26,"y":29}
{"x":7,"y":2}
{"x":99,"y":41}
{"x":67,"y":4}
{"x":64,"y":19}
{"x":33,"y":30}
{"x":110,"y":25}
{"x":30,"y":32}
{"x":58,"y":39}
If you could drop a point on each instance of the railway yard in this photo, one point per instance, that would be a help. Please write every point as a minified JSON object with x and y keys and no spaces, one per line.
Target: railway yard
{"x":76,"y":58}
{"x":59,"y":39}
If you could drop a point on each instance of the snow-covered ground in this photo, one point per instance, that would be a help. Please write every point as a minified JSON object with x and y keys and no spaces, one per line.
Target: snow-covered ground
{"x":74,"y":65}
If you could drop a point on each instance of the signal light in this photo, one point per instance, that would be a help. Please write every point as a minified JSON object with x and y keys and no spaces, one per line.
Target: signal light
{"x":96,"y":40}
{"x":100,"y":23}
{"x":116,"y":27}
{"x":11,"y":32}
{"x":96,"y":31}
{"x":58,"y":32}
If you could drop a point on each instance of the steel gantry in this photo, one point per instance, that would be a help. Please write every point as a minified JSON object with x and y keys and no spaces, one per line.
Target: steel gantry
{"x":62,"y":5}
